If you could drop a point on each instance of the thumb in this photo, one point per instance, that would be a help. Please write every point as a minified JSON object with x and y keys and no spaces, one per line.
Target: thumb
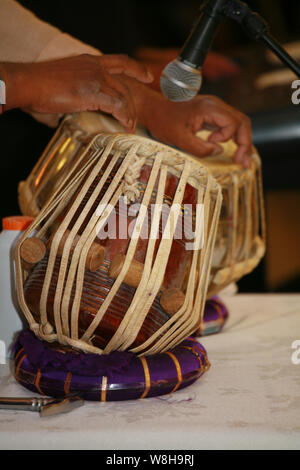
{"x":198,"y":147}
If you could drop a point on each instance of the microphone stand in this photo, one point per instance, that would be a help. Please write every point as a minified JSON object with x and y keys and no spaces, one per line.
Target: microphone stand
{"x":257,"y":28}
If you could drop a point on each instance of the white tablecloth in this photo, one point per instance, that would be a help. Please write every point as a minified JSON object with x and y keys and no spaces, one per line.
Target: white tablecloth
{"x":250,"y":398}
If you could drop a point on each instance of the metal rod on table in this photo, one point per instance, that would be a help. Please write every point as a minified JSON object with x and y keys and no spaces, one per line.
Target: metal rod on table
{"x":24,"y":404}
{"x":44,"y":405}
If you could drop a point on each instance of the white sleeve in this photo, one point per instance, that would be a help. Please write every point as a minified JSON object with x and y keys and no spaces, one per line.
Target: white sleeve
{"x":25,"y":38}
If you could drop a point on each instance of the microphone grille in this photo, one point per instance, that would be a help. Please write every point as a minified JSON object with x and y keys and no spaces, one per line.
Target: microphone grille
{"x":180,"y":82}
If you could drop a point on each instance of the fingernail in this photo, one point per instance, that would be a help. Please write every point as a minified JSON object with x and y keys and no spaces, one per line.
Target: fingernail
{"x":131,"y":123}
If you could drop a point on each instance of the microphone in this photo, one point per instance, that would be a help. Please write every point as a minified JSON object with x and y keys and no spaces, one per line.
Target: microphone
{"x":181,"y":79}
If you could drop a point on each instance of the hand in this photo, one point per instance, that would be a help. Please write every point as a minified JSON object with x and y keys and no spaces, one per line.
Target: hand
{"x":79,"y":83}
{"x":177,"y":124}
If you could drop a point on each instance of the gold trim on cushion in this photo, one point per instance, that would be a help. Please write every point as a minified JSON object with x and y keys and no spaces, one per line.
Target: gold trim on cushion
{"x":178,"y":369}
{"x":147,"y":377}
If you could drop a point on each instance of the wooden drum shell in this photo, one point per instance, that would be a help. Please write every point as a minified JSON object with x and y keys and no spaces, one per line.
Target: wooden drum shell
{"x":65,"y":302}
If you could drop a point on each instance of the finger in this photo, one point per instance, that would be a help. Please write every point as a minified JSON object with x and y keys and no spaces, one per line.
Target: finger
{"x":243,"y":156}
{"x":196,"y":146}
{"x":121,"y":89}
{"x":117,"y":64}
{"x":124,"y":109}
{"x":244,"y":133}
{"x":244,"y":140}
{"x":237,"y":127}
{"x":223,"y":134}
{"x":118,"y":109}
{"x":109,"y":100}
{"x":224,"y":124}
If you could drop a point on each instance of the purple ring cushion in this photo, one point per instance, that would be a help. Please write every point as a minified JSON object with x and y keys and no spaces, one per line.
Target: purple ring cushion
{"x":116,"y":376}
{"x":214,"y":317}
{"x":54,"y":371}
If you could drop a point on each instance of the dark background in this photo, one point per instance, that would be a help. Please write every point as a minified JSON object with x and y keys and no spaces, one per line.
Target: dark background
{"x":120,"y":26}
{"x":117,"y":26}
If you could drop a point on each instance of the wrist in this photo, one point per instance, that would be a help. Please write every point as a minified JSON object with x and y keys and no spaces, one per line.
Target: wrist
{"x":151,"y":107}
{"x":147,"y":101}
{"x":155,"y":112}
{"x":16,"y":90}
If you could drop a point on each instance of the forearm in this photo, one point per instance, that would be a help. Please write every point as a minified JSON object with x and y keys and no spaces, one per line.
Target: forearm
{"x":148,"y":102}
{"x":16,"y":91}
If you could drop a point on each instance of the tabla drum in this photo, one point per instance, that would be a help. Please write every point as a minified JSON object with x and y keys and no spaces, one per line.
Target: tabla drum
{"x":240,"y":242}
{"x":119,"y":256}
{"x":70,"y":139}
{"x":241,"y":235}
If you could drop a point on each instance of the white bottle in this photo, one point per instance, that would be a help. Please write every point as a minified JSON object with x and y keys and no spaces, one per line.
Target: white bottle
{"x":11,"y":320}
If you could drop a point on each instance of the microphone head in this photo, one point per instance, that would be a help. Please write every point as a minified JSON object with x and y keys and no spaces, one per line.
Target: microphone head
{"x":180,"y":82}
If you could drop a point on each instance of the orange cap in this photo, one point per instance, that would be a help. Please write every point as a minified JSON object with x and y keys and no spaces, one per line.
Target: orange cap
{"x":16,"y":222}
